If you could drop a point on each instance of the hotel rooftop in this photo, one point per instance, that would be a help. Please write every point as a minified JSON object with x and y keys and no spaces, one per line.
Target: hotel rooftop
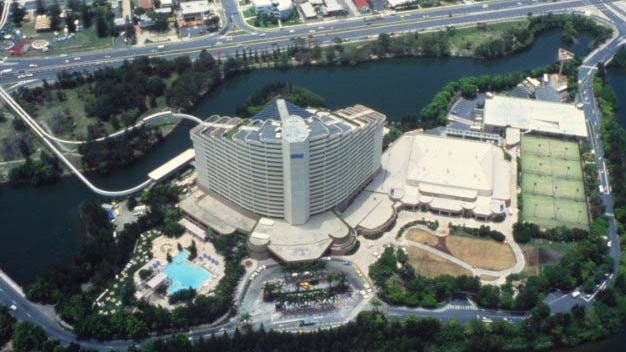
{"x":266,"y":125}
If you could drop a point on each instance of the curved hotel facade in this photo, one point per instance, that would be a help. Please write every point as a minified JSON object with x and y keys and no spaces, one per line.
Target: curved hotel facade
{"x":287,"y":162}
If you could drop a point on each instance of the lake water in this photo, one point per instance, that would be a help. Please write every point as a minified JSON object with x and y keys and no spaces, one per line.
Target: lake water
{"x":40,"y":228}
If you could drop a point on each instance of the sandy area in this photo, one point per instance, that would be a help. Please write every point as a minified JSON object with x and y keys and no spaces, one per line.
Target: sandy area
{"x":431,"y":265}
{"x":486,"y":254}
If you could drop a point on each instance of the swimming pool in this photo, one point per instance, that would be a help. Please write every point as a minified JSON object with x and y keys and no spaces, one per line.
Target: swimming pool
{"x":183,"y":274}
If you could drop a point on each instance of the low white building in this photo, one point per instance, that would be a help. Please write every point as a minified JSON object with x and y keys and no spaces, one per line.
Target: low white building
{"x":332,"y":8}
{"x":307,"y":10}
{"x":445,"y":175}
{"x":534,"y":115}
{"x":194,"y":10}
{"x":400,"y":4}
{"x":166,"y":4}
{"x":282,"y":9}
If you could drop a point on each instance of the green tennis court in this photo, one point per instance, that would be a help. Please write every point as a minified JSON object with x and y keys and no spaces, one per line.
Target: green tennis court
{"x":552,"y":183}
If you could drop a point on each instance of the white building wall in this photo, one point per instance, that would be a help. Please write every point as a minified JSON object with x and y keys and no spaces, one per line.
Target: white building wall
{"x":262,"y":176}
{"x":296,"y":181}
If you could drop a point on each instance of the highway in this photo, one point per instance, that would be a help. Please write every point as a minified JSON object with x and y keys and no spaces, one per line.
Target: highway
{"x":348,"y":30}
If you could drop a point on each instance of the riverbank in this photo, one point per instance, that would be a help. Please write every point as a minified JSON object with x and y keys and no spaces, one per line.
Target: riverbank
{"x":50,"y":283}
{"x":165,"y":129}
{"x":184,"y":89}
{"x":43,"y":239}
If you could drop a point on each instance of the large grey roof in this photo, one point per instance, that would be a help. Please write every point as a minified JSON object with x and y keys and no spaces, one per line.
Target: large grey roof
{"x":270,"y":112}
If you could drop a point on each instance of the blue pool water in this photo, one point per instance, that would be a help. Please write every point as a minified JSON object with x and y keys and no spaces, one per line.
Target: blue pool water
{"x":184,"y":275}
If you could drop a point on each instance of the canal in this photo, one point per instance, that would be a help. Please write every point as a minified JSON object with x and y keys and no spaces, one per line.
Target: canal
{"x":40,"y":227}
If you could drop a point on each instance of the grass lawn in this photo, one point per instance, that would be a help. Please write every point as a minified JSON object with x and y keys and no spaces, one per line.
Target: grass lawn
{"x":250,"y":17}
{"x":6,"y":128}
{"x":249,"y":12}
{"x":110,"y":302}
{"x":431,"y":265}
{"x":75,"y":105}
{"x":458,"y":41}
{"x":484,"y":254}
{"x":421,"y":236}
{"x":83,"y":41}
{"x":475,"y":36}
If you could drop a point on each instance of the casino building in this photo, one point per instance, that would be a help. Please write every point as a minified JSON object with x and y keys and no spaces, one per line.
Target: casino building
{"x":287,"y":162}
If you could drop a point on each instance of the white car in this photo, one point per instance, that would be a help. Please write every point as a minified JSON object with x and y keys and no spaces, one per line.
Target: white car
{"x":291,"y":31}
{"x":32,"y":65}
{"x":13,"y":307}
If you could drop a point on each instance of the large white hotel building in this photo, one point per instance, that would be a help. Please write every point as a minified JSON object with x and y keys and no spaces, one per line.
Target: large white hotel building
{"x":288,"y":162}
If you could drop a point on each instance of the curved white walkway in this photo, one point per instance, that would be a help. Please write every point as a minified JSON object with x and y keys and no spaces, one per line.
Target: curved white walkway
{"x":520,"y":261}
{"x":146,"y":120}
{"x":5,"y":13}
{"x":46,"y":140}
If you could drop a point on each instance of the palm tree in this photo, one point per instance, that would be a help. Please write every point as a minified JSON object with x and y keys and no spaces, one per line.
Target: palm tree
{"x":245,"y":319}
{"x":376,"y":304}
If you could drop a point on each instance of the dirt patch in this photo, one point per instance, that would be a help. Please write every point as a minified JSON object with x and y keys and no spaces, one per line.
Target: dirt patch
{"x":538,"y":256}
{"x":533,"y":262}
{"x":548,"y":256}
{"x":485,"y":254}
{"x":421,"y":236}
{"x":425,"y":237}
{"x":488,"y":278}
{"x":431,"y":265}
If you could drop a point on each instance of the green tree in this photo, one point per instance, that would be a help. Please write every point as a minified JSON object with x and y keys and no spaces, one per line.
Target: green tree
{"x":156,"y":86}
{"x":27,"y":337}
{"x":102,"y":27}
{"x":86,"y":15}
{"x":376,"y":304}
{"x":384,"y":42}
{"x":161,"y":23}
{"x":40,"y":7}
{"x":54,"y":12}
{"x":6,"y":325}
{"x":17,"y":13}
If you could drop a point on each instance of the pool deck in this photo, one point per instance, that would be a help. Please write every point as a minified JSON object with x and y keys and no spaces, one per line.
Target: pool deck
{"x":163,"y":245}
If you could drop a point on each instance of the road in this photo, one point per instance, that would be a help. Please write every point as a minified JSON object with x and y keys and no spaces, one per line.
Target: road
{"x":592,"y":114}
{"x":347,"y":30}
{"x":466,"y":14}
